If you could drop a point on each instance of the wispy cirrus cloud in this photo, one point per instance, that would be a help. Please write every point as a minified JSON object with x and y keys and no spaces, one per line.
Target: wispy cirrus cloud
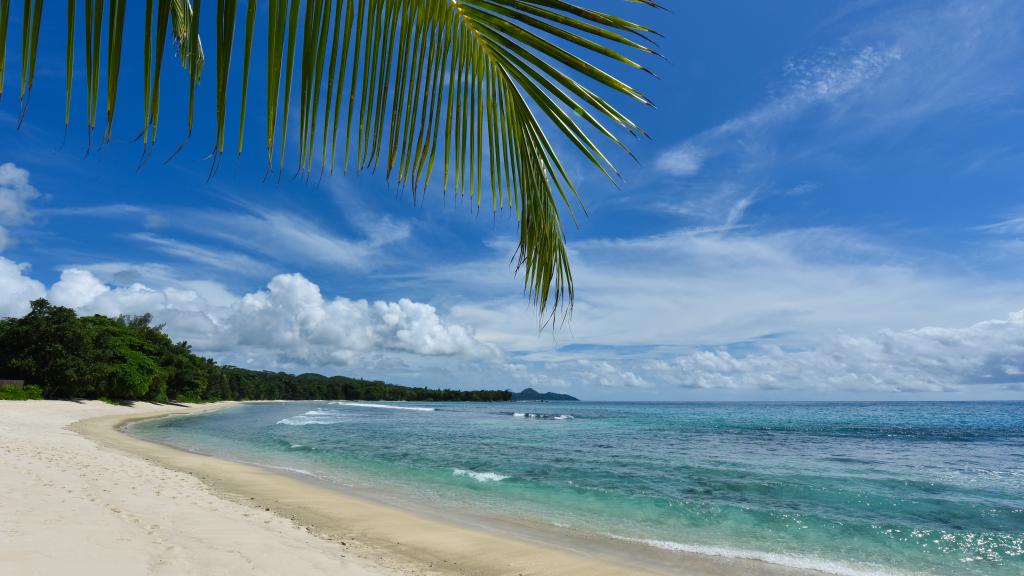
{"x":661,"y":294}
{"x":892,"y":69}
{"x":683,"y":160}
{"x":223,"y":259}
{"x":293,"y":239}
{"x":815,"y":81}
{"x":280,"y":235}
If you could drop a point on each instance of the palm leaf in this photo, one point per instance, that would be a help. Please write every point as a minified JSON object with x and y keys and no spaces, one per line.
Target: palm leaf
{"x":459,"y":94}
{"x":182,"y":18}
{"x":5,"y":18}
{"x":93,"y":26}
{"x":194,"y":66}
{"x":250,"y":23}
{"x":31,"y":18}
{"x":115,"y":34}
{"x":152,"y":107}
{"x":70,"y":65}
{"x":226,"y":13}
{"x":471,"y":88}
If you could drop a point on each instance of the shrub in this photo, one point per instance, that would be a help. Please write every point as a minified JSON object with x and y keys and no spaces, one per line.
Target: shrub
{"x":29,"y":392}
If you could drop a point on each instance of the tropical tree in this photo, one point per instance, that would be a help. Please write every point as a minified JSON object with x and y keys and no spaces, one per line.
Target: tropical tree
{"x":459,"y":94}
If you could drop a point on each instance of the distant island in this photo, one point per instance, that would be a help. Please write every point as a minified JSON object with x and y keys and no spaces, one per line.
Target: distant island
{"x":531,"y":395}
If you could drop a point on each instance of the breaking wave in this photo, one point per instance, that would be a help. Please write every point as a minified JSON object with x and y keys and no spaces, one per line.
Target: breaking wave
{"x":389,"y":406}
{"x":480,"y":476}
{"x":538,"y":415}
{"x":314,"y":417}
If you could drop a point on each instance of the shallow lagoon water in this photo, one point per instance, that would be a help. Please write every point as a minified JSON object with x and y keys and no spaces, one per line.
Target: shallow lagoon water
{"x":846,"y":488}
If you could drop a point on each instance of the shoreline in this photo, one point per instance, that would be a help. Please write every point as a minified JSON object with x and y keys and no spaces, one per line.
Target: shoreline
{"x":376,"y":538}
{"x":418,"y":543}
{"x":421,"y":538}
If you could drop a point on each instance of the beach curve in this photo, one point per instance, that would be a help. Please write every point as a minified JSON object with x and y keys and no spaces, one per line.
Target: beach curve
{"x":369,"y":538}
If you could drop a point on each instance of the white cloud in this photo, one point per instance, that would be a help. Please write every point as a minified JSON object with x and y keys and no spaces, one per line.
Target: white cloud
{"x":683,"y":160}
{"x":290,"y":238}
{"x":1010,"y":227}
{"x":76,"y":288}
{"x":954,"y":54}
{"x":720,"y":209}
{"x":17,"y":289}
{"x":906,"y":64}
{"x":280,"y":235}
{"x":15,"y":194}
{"x":222,"y":259}
{"x":824,"y":79}
{"x":690,"y":289}
{"x":290,"y":324}
{"x":293,"y":317}
{"x":604,"y":373}
{"x":841,"y":326}
{"x":917,"y":360}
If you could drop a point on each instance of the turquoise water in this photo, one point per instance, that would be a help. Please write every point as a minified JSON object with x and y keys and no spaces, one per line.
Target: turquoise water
{"x":847,"y":488}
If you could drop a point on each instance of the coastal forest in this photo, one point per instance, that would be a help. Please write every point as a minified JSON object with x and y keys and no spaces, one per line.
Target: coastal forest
{"x":61,"y":355}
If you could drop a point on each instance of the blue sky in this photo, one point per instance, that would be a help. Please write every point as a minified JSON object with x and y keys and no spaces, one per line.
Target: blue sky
{"x":829,"y":207}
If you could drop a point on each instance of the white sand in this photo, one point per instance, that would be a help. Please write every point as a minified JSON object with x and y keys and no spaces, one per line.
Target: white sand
{"x":69,"y":507}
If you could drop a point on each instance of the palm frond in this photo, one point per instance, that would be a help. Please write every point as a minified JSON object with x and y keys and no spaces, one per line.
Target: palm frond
{"x":93,"y":26}
{"x":182,"y":18}
{"x":458,"y":94}
{"x":70,"y":64}
{"x":227,"y":10}
{"x":115,"y":34}
{"x":31,"y":18}
{"x":470,"y":87}
{"x":5,"y":18}
{"x":152,"y":95}
{"x":250,"y":23}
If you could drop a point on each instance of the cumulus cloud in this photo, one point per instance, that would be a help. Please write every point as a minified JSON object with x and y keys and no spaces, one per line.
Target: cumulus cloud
{"x":292,"y":316}
{"x":15,"y":194}
{"x":17,"y":289}
{"x":288,"y":324}
{"x":76,"y":288}
{"x":604,"y":373}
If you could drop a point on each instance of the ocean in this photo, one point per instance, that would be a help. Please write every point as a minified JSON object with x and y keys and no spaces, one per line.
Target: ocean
{"x":845,"y":488}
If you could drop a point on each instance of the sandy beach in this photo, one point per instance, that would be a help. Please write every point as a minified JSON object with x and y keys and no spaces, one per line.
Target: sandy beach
{"x":73,"y":507}
{"x":90,"y":499}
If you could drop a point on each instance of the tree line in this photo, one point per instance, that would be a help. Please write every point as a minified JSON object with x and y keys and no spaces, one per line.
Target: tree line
{"x":130,"y":358}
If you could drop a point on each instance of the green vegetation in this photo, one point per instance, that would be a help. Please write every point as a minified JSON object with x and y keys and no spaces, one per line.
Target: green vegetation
{"x":60,"y":355}
{"x":29,"y":392}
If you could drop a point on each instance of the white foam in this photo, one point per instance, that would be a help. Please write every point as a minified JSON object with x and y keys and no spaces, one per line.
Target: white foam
{"x":391,"y":406}
{"x":480,"y":476}
{"x":542,"y":416}
{"x":787,"y":560}
{"x":318,"y":417}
